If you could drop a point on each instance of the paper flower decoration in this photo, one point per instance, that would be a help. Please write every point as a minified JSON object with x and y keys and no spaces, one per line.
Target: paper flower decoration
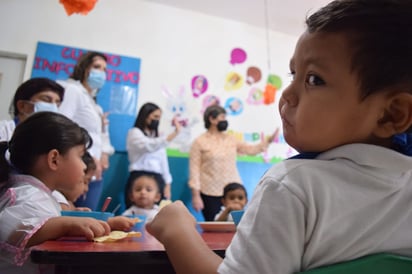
{"x":78,"y":6}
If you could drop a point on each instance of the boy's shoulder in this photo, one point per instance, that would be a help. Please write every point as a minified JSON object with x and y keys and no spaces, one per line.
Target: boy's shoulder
{"x":346,"y":167}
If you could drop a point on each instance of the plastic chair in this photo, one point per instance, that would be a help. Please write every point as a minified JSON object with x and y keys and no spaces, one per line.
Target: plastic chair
{"x":381,"y":263}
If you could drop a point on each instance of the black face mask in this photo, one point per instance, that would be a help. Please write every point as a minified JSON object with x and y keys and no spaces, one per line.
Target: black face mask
{"x":153,"y":124}
{"x":222,"y":125}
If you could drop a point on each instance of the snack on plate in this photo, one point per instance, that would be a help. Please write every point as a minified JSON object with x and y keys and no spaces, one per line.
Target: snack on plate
{"x":116,"y":235}
{"x":164,"y":203}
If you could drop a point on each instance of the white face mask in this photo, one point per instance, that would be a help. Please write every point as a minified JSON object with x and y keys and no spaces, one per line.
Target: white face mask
{"x":96,"y":79}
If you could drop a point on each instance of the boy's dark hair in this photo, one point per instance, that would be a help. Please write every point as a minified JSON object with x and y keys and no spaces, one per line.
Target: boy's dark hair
{"x":31,"y":87}
{"x":144,"y":112}
{"x":212,"y":111}
{"x":79,"y":71}
{"x":37,"y":135}
{"x":233,"y":186}
{"x":380,"y":36}
{"x":89,"y":162}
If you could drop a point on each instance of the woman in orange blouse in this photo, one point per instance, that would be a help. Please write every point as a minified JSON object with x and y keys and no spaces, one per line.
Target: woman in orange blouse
{"x":213,"y":161}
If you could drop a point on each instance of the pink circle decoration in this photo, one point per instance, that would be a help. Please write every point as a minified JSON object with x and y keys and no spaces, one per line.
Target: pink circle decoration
{"x":237,"y":56}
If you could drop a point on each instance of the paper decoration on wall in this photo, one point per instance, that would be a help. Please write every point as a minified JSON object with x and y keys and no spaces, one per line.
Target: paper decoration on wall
{"x":199,"y":85}
{"x":209,"y":100}
{"x":237,"y":56}
{"x":273,"y":84}
{"x":255,"y":96}
{"x":176,"y":107}
{"x":233,"y":106}
{"x":233,"y":81}
{"x":253,"y":75}
{"x":78,"y":6}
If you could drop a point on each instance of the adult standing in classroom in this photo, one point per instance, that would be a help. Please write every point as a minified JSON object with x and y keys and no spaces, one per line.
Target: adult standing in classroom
{"x":212,"y":161}
{"x":88,"y":77}
{"x":146,"y":150}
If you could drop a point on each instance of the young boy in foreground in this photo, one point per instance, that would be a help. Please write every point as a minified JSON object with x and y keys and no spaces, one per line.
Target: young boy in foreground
{"x":350,"y":105}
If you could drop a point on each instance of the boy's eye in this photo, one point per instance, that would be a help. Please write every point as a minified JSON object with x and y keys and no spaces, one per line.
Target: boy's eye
{"x":314,"y":80}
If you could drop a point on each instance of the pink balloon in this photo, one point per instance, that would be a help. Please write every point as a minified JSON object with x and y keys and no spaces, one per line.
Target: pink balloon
{"x":238,"y":56}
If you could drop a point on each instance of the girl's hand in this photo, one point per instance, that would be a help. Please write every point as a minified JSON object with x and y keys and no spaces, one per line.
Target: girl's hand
{"x":87,"y":227}
{"x":61,"y":226}
{"x":121,"y":223}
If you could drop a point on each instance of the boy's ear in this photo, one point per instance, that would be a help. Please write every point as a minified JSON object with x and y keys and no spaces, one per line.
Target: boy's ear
{"x":397,"y":117}
{"x":158,"y":196}
{"x":53,"y":159}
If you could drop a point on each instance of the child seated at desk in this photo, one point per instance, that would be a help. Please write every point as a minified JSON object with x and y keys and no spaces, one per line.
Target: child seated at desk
{"x":66,"y":198}
{"x":234,"y":198}
{"x":44,"y":153}
{"x":348,"y":194}
{"x":142,"y":196}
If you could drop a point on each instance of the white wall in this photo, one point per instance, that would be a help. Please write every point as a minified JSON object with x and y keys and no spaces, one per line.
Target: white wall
{"x":173,"y":44}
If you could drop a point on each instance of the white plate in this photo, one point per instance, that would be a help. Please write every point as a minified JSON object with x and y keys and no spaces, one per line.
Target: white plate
{"x":218,"y":226}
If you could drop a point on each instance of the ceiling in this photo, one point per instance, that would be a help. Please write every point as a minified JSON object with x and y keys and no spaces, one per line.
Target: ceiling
{"x":285,"y":16}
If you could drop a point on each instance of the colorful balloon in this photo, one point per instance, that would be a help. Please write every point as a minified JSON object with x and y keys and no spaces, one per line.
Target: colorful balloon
{"x":253,"y":75}
{"x":199,"y":85}
{"x":238,"y":56}
{"x":274,"y":80}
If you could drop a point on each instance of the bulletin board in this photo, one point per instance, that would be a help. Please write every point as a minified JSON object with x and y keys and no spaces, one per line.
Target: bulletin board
{"x":119,"y":94}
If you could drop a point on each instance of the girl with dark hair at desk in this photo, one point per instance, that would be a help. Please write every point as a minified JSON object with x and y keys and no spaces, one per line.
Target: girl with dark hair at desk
{"x":44,"y":153}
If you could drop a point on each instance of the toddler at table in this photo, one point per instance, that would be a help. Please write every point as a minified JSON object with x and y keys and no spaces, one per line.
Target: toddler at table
{"x":44,"y":153}
{"x":142,"y":196}
{"x":234,"y":198}
{"x":348,"y":111}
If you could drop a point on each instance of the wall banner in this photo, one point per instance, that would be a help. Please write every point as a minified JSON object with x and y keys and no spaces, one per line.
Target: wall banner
{"x":119,"y":94}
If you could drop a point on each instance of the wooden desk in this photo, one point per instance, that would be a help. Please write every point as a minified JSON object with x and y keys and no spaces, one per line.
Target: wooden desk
{"x":131,"y":255}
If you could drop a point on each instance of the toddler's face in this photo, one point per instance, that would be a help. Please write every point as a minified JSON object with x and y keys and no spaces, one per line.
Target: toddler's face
{"x":235,"y":199}
{"x":321,"y":108}
{"x":145,"y":192}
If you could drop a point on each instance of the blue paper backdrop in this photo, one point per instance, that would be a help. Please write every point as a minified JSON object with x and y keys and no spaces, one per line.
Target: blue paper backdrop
{"x":119,"y":94}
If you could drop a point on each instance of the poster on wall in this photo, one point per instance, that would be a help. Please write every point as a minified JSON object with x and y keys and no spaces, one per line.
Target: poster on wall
{"x":118,"y":96}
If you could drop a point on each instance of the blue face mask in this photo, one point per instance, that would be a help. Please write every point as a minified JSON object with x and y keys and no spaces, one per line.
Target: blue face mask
{"x":45,"y":106}
{"x":96,"y":78}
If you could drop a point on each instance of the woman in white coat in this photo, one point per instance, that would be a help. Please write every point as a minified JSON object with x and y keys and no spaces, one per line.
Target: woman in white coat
{"x":146,"y":150}
{"x":89,"y":75}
